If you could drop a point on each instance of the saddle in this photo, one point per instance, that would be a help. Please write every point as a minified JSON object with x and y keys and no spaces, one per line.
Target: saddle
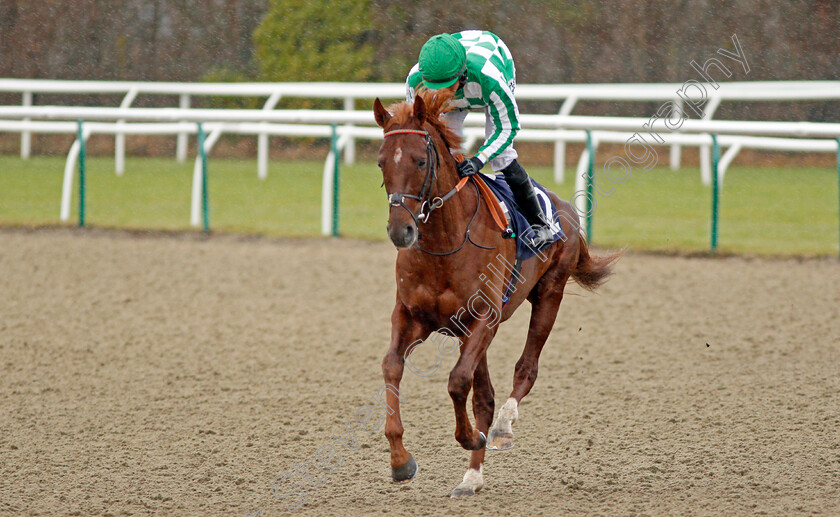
{"x":509,"y":218}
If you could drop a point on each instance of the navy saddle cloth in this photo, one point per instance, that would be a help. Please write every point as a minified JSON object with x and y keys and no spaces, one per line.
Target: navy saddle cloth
{"x":517,"y":220}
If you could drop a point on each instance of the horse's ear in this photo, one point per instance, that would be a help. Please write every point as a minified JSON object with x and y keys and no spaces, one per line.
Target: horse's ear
{"x":380,"y":113}
{"x":419,"y":110}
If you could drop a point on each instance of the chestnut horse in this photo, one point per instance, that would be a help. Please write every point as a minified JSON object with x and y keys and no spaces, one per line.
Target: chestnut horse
{"x":447,"y":240}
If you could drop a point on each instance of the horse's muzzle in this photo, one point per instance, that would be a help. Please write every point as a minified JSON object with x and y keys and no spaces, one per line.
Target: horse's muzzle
{"x":403,"y":235}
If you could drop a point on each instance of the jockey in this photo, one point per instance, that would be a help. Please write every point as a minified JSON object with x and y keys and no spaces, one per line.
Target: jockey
{"x":478,"y":68}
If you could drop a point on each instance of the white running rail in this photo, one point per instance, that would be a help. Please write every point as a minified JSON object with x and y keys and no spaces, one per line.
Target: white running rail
{"x":570,"y":94}
{"x":560,"y":129}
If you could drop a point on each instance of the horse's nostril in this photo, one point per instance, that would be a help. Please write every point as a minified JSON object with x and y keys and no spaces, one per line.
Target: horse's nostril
{"x":403,"y":235}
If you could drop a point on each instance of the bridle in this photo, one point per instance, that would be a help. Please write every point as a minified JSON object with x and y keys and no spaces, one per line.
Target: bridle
{"x":432,"y":163}
{"x":428,"y":205}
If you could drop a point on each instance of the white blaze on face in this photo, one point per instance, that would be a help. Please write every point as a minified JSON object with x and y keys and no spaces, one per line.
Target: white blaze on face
{"x":398,"y":156}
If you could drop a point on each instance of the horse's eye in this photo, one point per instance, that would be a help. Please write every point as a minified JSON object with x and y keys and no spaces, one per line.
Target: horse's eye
{"x":421,"y":163}
{"x":379,"y":164}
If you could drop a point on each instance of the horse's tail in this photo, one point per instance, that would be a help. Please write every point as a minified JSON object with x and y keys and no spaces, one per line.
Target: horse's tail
{"x":591,"y":271}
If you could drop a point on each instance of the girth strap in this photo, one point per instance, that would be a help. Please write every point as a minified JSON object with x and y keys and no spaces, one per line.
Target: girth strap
{"x":517,"y":268}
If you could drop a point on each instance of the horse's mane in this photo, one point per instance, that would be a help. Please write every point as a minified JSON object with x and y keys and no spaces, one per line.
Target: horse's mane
{"x":437,"y":103}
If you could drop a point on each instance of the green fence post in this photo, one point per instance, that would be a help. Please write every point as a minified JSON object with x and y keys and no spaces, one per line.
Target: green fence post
{"x":590,"y":169}
{"x":336,"y":165}
{"x":81,"y":138}
{"x":204,"y":202}
{"x":715,"y":192}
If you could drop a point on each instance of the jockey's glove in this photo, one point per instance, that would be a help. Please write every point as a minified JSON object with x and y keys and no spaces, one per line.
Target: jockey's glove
{"x":469,"y":167}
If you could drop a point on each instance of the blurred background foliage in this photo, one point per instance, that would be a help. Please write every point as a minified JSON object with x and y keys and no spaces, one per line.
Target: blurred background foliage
{"x":315,"y":40}
{"x":553,"y":41}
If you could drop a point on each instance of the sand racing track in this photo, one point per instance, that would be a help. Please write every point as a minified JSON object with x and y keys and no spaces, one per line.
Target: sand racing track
{"x":175,"y":375}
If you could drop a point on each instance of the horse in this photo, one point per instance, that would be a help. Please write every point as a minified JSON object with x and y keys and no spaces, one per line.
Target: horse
{"x":447,"y":242}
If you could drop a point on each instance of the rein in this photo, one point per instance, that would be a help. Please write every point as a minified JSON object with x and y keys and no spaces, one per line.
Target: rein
{"x":427,"y":207}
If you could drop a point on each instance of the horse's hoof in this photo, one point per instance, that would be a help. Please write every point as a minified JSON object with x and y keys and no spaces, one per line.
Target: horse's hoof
{"x":472,"y":483}
{"x":462,"y":492}
{"x":405,"y":473}
{"x":500,"y":440}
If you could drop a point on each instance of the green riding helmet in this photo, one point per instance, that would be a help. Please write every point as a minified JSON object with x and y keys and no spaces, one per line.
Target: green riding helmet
{"x":442,"y":61}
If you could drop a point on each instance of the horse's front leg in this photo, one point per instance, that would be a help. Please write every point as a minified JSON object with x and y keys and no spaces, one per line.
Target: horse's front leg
{"x":461,"y":380}
{"x":404,"y":331}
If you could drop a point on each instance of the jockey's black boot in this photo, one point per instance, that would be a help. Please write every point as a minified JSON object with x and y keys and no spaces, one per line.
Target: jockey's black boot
{"x":526,"y":198}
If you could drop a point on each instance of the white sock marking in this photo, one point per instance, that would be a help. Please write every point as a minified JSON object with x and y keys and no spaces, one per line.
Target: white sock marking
{"x":473,"y":479}
{"x":509,"y":411}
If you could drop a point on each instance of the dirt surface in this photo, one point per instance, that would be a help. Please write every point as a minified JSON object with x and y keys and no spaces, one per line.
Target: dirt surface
{"x":172,"y":375}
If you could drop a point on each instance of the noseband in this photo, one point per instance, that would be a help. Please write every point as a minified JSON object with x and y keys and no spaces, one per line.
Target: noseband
{"x":426,"y":207}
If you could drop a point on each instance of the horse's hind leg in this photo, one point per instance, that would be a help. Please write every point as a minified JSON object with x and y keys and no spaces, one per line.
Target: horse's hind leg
{"x":549,"y":294}
{"x":483,"y":404}
{"x":404,"y":331}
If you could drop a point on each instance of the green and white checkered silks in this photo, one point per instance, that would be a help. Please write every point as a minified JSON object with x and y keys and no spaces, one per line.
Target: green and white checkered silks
{"x":491,"y":80}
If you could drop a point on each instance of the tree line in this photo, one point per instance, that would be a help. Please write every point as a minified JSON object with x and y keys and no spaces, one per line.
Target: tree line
{"x":560,"y":41}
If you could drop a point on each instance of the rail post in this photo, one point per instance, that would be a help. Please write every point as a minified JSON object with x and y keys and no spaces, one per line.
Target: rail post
{"x":204,"y":203}
{"x":676,"y":149}
{"x":838,"y":193}
{"x":350,"y":144}
{"x":183,"y":136}
{"x":81,"y":138}
{"x":590,"y":169}
{"x":262,"y":139}
{"x":336,"y":166}
{"x":119,"y":140}
{"x":715,"y":192}
{"x":709,"y":111}
{"x":560,"y":145}
{"x":26,"y":136}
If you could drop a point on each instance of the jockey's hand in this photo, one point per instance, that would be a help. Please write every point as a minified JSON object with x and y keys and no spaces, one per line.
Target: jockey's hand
{"x":469,"y":167}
